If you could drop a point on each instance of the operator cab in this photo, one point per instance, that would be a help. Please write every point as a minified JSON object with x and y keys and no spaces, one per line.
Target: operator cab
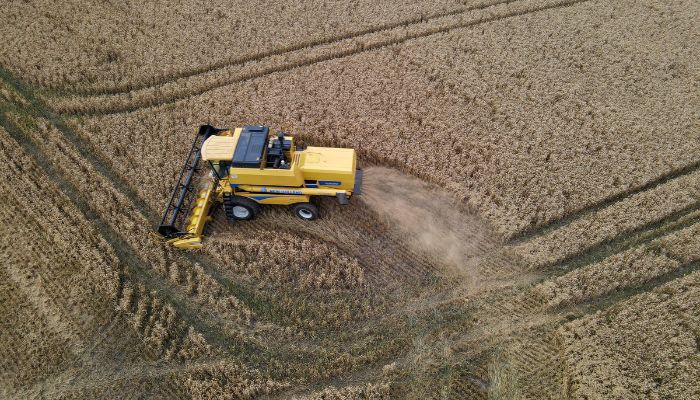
{"x":255,"y":149}
{"x":250,"y":147}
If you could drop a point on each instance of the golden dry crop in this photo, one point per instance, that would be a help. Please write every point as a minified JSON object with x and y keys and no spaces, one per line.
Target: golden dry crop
{"x":530,"y":226}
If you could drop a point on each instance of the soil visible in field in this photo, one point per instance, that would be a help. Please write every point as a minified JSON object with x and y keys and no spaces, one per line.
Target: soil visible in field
{"x":430,"y":219}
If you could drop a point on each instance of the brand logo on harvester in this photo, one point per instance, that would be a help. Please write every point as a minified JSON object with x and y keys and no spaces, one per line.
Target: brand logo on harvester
{"x":329,"y":183}
{"x":284,"y":191}
{"x":279,"y":191}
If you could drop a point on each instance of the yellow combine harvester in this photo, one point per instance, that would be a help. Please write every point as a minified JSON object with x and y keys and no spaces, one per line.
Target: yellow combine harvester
{"x":249,"y":167}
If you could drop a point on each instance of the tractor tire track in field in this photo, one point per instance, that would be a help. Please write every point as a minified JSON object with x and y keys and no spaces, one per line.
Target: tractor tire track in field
{"x":386,"y":258}
{"x":556,"y":223}
{"x":569,"y":311}
{"x":428,"y":219}
{"x":100,"y":162}
{"x":530,"y":313}
{"x":608,"y":300}
{"x":131,"y":262}
{"x":620,"y":243}
{"x":250,"y":353}
{"x":636,"y":237}
{"x":109,"y":105}
{"x":523,"y":313}
{"x":158,"y":81}
{"x":147,"y":288}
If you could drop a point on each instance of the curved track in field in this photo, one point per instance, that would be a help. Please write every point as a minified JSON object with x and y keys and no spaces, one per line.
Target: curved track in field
{"x":206,"y":81}
{"x":443,"y":284}
{"x":407,"y":22}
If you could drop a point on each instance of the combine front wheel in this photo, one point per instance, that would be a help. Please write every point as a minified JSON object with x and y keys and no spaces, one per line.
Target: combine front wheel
{"x":240,"y":208}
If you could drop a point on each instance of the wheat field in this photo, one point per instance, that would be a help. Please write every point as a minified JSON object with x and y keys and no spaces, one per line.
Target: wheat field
{"x":529,"y":226}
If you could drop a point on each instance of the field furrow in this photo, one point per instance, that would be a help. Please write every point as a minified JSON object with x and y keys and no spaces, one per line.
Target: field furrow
{"x":528,"y":227}
{"x":223,"y":35}
{"x":127,"y":258}
{"x":542,"y":229}
{"x":610,"y":341}
{"x":644,"y":211}
{"x":649,"y":262}
{"x":286,"y":61}
{"x":327,"y":40}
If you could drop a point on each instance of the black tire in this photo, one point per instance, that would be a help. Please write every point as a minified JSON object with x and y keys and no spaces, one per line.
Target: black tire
{"x":239,"y":208}
{"x":306,"y":211}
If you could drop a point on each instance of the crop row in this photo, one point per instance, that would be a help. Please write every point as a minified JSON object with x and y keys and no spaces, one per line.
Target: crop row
{"x":640,"y":210}
{"x":118,"y":47}
{"x":74,"y":256}
{"x":374,"y":391}
{"x":645,"y":347}
{"x":188,"y":86}
{"x":77,"y":271}
{"x":506,"y":127}
{"x":225,"y":379}
{"x":59,"y":279}
{"x":149,"y":325}
{"x":124,"y":217}
{"x":283,"y":259}
{"x":26,"y":359}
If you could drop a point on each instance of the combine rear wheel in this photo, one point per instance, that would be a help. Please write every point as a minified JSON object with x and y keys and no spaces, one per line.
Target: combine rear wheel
{"x":306,"y":211}
{"x":240,"y":208}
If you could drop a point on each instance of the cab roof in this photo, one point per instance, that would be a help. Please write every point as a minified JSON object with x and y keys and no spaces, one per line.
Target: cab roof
{"x":218,"y":148}
{"x":244,"y":149}
{"x":250,"y":147}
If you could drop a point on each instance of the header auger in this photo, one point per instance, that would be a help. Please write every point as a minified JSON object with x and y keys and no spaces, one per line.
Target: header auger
{"x":249,"y":166}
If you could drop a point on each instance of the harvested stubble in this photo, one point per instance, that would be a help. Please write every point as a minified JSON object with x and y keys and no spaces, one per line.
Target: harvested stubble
{"x":499,"y":134}
{"x":223,"y":379}
{"x":314,"y":285}
{"x":429,"y":219}
{"x":68,"y":276}
{"x":286,"y":261}
{"x":386,"y":257}
{"x":107,"y":47}
{"x":645,"y":347}
{"x":122,"y":214}
{"x":370,"y":391}
{"x":59,"y":288}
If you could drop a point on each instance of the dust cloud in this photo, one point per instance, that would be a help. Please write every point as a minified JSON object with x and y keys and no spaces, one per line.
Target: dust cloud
{"x":429,"y":218}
